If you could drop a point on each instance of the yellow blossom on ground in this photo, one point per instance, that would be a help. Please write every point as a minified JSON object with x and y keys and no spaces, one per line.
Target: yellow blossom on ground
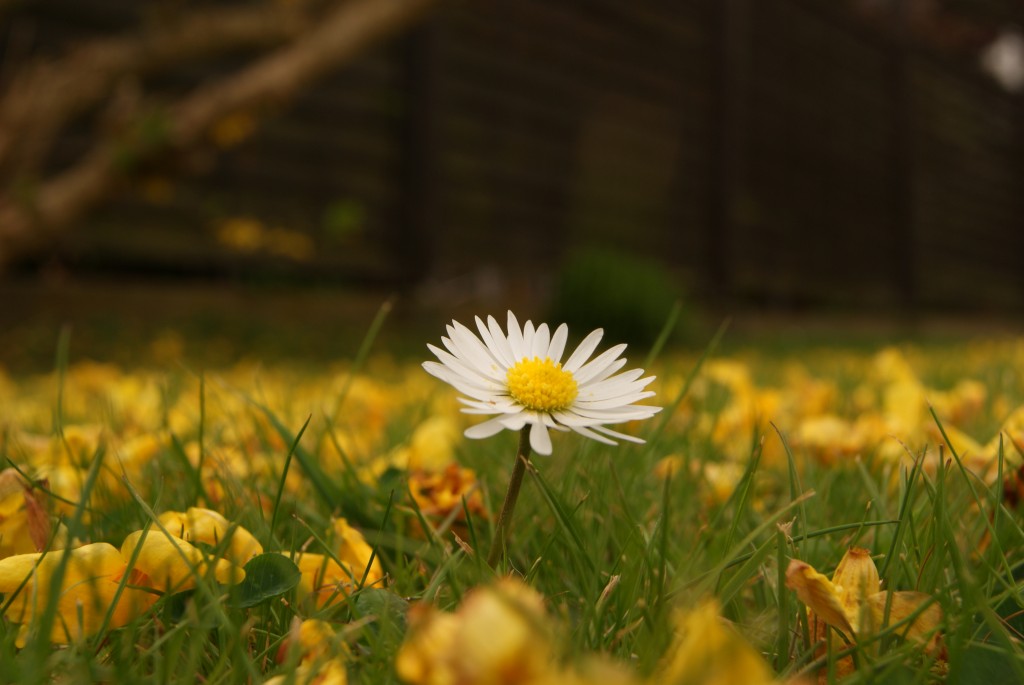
{"x":137,"y":451}
{"x":1012,"y":431}
{"x":447,"y":495}
{"x":705,"y":651}
{"x":85,"y":594}
{"x":323,"y":579}
{"x":432,"y":445}
{"x":25,"y":522}
{"x":905,"y":405}
{"x":592,"y":670}
{"x":322,"y":658}
{"x":16,"y":534}
{"x":668,"y":466}
{"x":327,"y":581}
{"x":962,"y":403}
{"x":425,"y":656}
{"x":331,"y":672}
{"x":316,"y":639}
{"x":499,"y":635}
{"x":431,"y":449}
{"x":209,"y":527}
{"x":352,"y":549}
{"x":853,"y":602}
{"x":826,"y":437}
{"x":172,"y":564}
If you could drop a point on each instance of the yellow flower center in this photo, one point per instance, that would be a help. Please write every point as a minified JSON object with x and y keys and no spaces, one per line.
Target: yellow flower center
{"x":541,"y":385}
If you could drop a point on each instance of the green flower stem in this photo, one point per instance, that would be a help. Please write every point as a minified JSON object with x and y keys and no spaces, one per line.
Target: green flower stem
{"x":514,"y":483}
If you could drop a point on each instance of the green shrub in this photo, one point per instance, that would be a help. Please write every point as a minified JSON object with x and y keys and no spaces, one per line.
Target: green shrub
{"x":627,"y":295}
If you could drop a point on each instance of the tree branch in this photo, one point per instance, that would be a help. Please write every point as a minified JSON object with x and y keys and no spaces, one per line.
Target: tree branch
{"x":343,"y":34}
{"x":47,"y":94}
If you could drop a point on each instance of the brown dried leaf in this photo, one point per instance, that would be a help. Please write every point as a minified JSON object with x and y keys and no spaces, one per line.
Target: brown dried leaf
{"x":39,"y":525}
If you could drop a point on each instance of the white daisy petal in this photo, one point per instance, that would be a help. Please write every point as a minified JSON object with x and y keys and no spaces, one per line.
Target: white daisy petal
{"x":598,"y":364}
{"x":449,"y":345}
{"x":491,"y":372}
{"x":614,"y":401}
{"x":583,"y":351}
{"x":541,"y":340}
{"x":485,"y":429}
{"x":528,"y":334}
{"x":494,"y":344}
{"x":615,"y":385}
{"x":620,"y":436}
{"x":515,"y":422}
{"x":465,"y":371}
{"x":608,"y":371}
{"x":475,"y":351}
{"x":617,"y":415}
{"x":467,"y":360}
{"x":486,"y":407}
{"x":586,"y":432}
{"x":570,"y":419}
{"x":475,"y":393}
{"x":501,"y":404}
{"x":484,"y":335}
{"x":515,"y":338}
{"x":447,"y":373}
{"x":500,"y":341}
{"x":557,"y":346}
{"x":540,"y":441}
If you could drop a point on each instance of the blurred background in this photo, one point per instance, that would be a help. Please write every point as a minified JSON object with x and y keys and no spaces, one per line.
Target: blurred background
{"x":262,"y":172}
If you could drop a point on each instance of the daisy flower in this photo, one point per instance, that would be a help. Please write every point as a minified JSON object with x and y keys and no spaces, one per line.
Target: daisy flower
{"x":518,"y":376}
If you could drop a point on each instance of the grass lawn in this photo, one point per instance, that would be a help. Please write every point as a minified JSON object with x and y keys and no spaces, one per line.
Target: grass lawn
{"x":718,"y":551}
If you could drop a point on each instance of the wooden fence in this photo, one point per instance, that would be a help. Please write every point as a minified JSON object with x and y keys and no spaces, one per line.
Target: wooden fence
{"x":775,"y":151}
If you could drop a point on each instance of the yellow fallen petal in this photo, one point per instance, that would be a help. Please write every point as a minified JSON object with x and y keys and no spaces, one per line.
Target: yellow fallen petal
{"x":316,"y":641}
{"x":818,"y":593}
{"x":425,"y":655}
{"x":503,"y":634}
{"x":15,"y":537}
{"x":13,"y":572}
{"x":923,"y":629}
{"x":705,"y":650}
{"x":173,"y":564}
{"x":432,"y":446}
{"x":855,"y":578}
{"x":323,"y":579}
{"x":593,"y":670}
{"x":11,"y":483}
{"x":964,"y":445}
{"x":904,"y":404}
{"x":499,"y":635}
{"x":331,"y":672}
{"x":352,"y":550}
{"x":211,"y":528}
{"x":25,"y":523}
{"x":668,"y":467}
{"x":84,"y":596}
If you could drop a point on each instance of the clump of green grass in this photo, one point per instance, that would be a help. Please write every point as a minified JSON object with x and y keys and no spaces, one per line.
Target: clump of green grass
{"x":614,"y":549}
